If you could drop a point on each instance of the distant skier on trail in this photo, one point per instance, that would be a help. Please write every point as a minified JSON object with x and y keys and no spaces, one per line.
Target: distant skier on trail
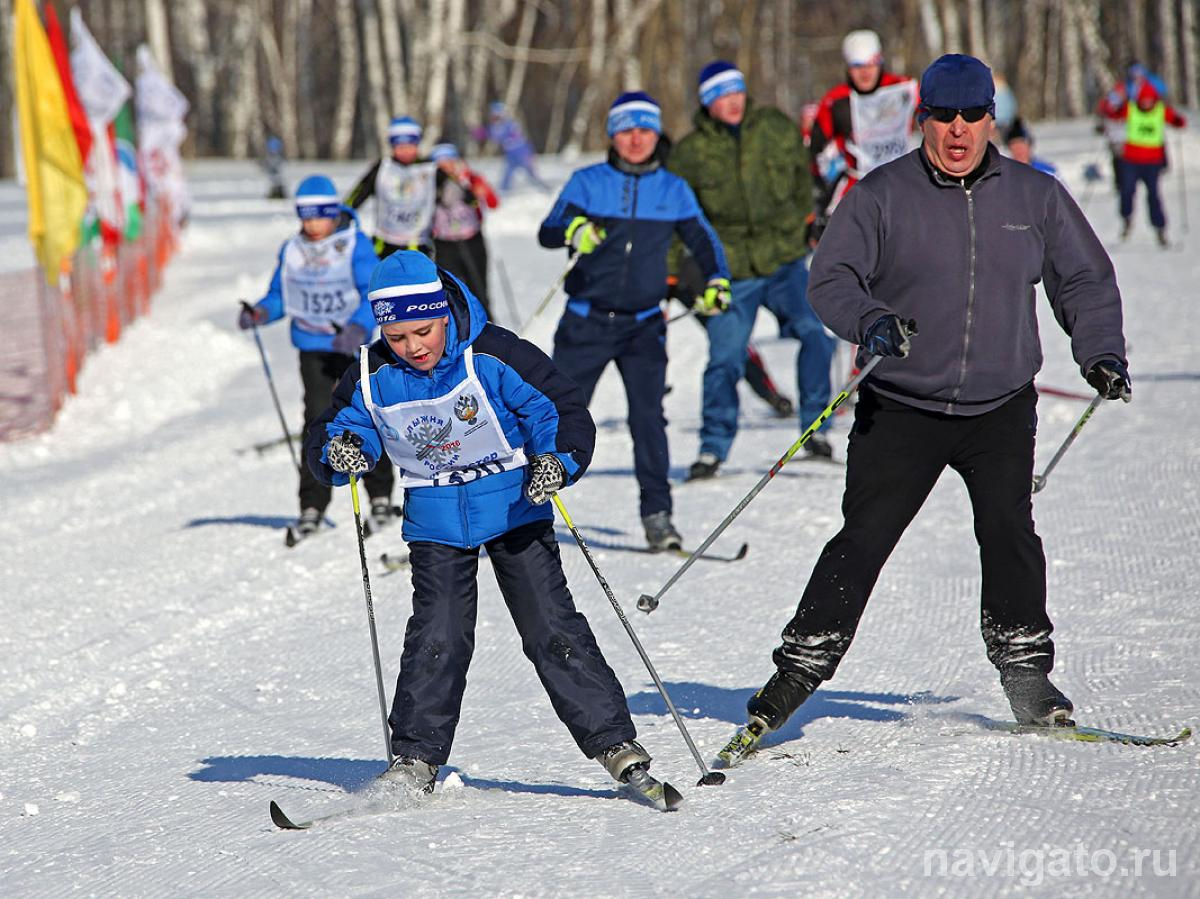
{"x":621,"y":216}
{"x":1018,"y":140}
{"x":320,"y":283}
{"x":458,"y":239}
{"x":484,"y":430}
{"x":954,"y":237}
{"x":405,"y":190}
{"x":502,"y":130}
{"x":747,"y":166}
{"x":1140,"y":103}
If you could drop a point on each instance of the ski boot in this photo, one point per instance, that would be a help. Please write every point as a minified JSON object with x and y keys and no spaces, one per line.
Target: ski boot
{"x":1126,"y":228}
{"x":769,"y":708}
{"x":1161,"y":234}
{"x":381,"y":515}
{"x":629,"y":764}
{"x":306,"y":525}
{"x":661,"y":533}
{"x":818,"y":447}
{"x":1034,"y":700}
{"x":704,"y":468}
{"x":413,"y":776}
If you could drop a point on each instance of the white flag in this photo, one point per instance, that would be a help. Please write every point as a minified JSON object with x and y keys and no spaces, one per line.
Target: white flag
{"x":161,"y":108}
{"x":102,"y":89}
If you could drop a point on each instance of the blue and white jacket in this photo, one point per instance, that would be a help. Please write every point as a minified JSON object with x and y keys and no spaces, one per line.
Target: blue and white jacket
{"x":538,"y":408}
{"x":364,"y":262}
{"x":641,"y":212}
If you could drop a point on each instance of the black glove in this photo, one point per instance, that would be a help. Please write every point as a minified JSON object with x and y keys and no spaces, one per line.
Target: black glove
{"x":250,"y":316}
{"x":345,"y":454}
{"x":1110,"y":377}
{"x":349,"y":339}
{"x":889,"y":336}
{"x":546,"y":477}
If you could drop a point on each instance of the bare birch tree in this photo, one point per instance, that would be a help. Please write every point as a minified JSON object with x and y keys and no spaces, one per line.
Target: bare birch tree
{"x":1187,"y":25}
{"x":156,"y":33}
{"x":1072,"y":61}
{"x":306,"y":120}
{"x":516,"y":74}
{"x":931,"y":26}
{"x":244,"y":70}
{"x":952,"y":26}
{"x":1050,"y":94}
{"x":975,"y":30}
{"x":368,"y":17}
{"x":393,"y":53}
{"x":281,"y":85}
{"x":1087,"y":16}
{"x":343,"y":121}
{"x":1169,"y":36}
{"x":594,"y":78}
{"x":440,"y":31}
{"x":1030,"y":67}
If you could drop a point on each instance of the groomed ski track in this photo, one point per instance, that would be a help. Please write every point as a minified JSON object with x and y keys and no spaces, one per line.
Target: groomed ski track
{"x":168,"y":667}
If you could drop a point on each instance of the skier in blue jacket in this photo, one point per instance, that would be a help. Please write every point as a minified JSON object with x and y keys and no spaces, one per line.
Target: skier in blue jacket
{"x":484,"y":429}
{"x":320,"y":282}
{"x":621,"y":216}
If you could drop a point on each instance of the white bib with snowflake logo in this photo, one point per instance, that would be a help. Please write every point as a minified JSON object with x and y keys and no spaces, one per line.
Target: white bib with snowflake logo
{"x":450,"y":440}
{"x":882,"y":122}
{"x":318,"y":284}
{"x":405,"y":196}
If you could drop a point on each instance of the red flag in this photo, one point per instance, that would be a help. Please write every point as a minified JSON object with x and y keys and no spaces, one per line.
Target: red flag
{"x":62,"y":60}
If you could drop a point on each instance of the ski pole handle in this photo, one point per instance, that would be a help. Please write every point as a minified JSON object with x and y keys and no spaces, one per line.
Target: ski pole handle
{"x":648,"y":603}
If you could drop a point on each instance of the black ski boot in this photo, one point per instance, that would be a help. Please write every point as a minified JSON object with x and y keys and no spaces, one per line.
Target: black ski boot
{"x":769,"y":708}
{"x":1034,"y":700}
{"x":818,"y":447}
{"x":704,"y":468}
{"x":661,"y":533}
{"x":781,"y":405}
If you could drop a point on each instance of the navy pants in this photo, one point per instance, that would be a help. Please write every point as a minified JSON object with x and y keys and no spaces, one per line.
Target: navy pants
{"x":583,"y":347}
{"x":784,"y":293}
{"x":896,"y":454}
{"x":440,"y":640}
{"x":1130,"y":174}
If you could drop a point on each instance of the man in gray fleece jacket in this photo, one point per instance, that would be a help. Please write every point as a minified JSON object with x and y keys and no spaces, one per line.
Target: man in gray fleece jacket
{"x":954,"y":237}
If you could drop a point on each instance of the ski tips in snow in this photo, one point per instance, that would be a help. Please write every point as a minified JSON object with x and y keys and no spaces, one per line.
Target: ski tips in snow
{"x":1082,"y":734}
{"x":658,"y":793}
{"x":283,"y":822}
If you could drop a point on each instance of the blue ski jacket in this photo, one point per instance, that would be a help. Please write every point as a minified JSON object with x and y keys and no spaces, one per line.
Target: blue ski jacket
{"x":364,"y":261}
{"x":538,"y":408}
{"x":641,"y":212}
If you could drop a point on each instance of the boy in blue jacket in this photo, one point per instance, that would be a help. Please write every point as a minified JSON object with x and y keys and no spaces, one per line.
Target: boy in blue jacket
{"x":620,"y":216}
{"x":484,"y":429}
{"x":320,"y":282}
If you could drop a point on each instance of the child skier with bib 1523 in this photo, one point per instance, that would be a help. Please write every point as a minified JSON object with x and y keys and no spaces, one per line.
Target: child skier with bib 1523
{"x":483,"y":429}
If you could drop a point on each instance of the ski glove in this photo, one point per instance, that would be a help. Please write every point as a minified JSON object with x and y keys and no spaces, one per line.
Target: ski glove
{"x":584,"y":235}
{"x":715,"y":299}
{"x":1110,"y":377}
{"x":546,"y":477}
{"x":889,"y":336}
{"x":349,"y":339}
{"x":251,"y":316}
{"x":345,"y":454}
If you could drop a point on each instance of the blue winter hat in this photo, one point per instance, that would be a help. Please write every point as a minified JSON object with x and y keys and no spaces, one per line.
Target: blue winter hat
{"x":497,"y":108}
{"x":444,"y":151}
{"x":404,"y":130}
{"x":406,"y":287}
{"x":316,"y":197}
{"x":957,"y":81}
{"x":719,"y":78}
{"x":634,"y":109}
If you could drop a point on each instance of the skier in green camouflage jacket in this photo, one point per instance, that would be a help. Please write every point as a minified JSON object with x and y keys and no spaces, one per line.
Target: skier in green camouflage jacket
{"x":748,"y":168}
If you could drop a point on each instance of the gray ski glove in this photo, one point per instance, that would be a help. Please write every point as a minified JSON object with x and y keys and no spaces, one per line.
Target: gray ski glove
{"x":546,"y":477}
{"x":345,"y":454}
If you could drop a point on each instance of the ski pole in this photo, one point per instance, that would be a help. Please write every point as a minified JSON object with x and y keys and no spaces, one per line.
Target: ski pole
{"x":509,"y":299}
{"x":366,"y":579}
{"x":1039,"y":480}
{"x":262,"y":351}
{"x":553,"y":290}
{"x":690,"y":311}
{"x":1183,"y":203}
{"x":648,"y":603}
{"x":708,"y":778}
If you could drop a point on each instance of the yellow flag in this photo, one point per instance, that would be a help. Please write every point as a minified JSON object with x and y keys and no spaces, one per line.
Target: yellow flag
{"x":53,"y":167}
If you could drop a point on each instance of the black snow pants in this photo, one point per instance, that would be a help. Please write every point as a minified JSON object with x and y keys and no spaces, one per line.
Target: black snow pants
{"x":320,"y":373}
{"x":896,"y":454}
{"x":440,"y":639}
{"x":468,"y":261}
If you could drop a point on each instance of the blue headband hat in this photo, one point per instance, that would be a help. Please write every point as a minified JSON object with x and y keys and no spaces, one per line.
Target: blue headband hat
{"x":316,"y":197}
{"x":634,"y":109}
{"x":404,"y":130}
{"x":719,"y":78}
{"x":406,"y":287}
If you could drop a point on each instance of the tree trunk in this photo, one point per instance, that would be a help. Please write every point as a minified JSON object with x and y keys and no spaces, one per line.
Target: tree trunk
{"x":1050,"y":93}
{"x":7,"y":104}
{"x":1087,"y":15}
{"x":393,"y":52}
{"x":281,"y":85}
{"x":245,"y":81}
{"x":288,"y":126}
{"x":418,"y":29}
{"x":368,"y":16}
{"x":558,"y":110}
{"x":305,"y":98}
{"x":932,"y":27}
{"x":1187,"y":24}
{"x":343,"y":122}
{"x":1031,"y":67}
{"x":1169,"y":36}
{"x":441,"y":31}
{"x":195,"y":46}
{"x":1135,"y":29}
{"x":516,"y":75}
{"x":1072,"y":61}
{"x":597,"y":55}
{"x":975,"y":30}
{"x":157,"y":37}
{"x":952,"y":25}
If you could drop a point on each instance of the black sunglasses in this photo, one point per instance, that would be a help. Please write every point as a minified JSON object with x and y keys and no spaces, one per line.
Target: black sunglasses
{"x":946,"y":115}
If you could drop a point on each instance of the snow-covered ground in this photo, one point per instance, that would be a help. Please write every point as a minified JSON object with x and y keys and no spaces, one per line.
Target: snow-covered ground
{"x":167,"y":667}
